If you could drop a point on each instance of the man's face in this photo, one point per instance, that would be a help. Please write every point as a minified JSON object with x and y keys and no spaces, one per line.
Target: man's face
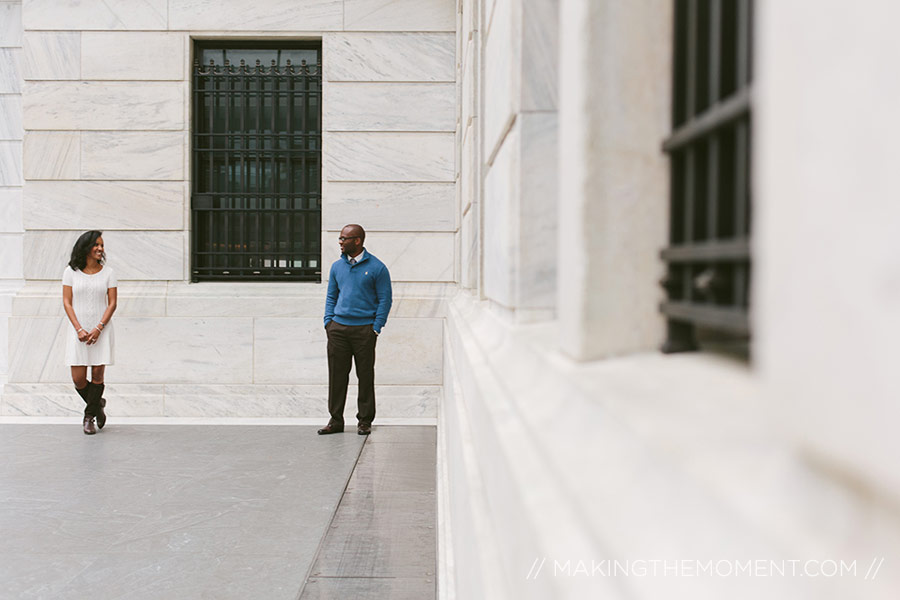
{"x":350,"y":241}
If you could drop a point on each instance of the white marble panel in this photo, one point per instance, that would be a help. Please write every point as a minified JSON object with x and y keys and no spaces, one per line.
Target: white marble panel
{"x":11,"y":256}
{"x":468,"y":273}
{"x":468,"y":99}
{"x":153,"y":155}
{"x":104,"y":105}
{"x":502,"y":61}
{"x":37,"y":349}
{"x":10,"y":211}
{"x":389,"y":156}
{"x":132,"y":56}
{"x":540,"y":54}
{"x":408,"y":256}
{"x":273,"y":15}
{"x":141,"y":255}
{"x":501,"y":221}
{"x":136,"y":299}
{"x":252,"y":299}
{"x":11,"y":117}
{"x":52,"y":55}
{"x":389,"y":57}
{"x":400,"y":15}
{"x":390,"y":206}
{"x":92,"y":15}
{"x":10,"y":24}
{"x":351,"y":106}
{"x":304,"y":401}
{"x":10,"y":164}
{"x":104,"y":205}
{"x":11,"y":73}
{"x":52,"y":155}
{"x":291,"y":351}
{"x":537,"y":236}
{"x":184,"y":350}
{"x":468,"y":169}
{"x":61,"y":400}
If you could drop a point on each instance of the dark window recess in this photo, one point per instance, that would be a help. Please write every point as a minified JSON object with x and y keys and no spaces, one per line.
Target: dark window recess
{"x":707,"y":279}
{"x":257,"y":156}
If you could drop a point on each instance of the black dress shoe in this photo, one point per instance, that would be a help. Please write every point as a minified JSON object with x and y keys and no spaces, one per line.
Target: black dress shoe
{"x":331,"y":429}
{"x":364,"y":429}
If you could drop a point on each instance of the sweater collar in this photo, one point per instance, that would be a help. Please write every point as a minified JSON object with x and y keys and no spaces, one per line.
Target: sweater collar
{"x":363,"y":256}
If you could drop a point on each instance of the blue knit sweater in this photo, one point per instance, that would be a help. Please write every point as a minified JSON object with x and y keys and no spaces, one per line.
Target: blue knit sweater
{"x":358,"y":294}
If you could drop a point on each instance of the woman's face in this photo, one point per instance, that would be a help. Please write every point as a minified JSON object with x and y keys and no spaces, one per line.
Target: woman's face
{"x":97,"y":250}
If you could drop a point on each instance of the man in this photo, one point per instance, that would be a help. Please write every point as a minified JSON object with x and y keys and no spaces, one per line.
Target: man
{"x":356,"y":308}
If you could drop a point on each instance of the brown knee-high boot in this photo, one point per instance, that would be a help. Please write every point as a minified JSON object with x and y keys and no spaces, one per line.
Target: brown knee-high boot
{"x":88,"y":423}
{"x":97,"y":402}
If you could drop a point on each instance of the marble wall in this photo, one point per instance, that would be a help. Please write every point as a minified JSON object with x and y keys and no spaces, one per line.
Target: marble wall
{"x":11,"y":168}
{"x":96,"y":134}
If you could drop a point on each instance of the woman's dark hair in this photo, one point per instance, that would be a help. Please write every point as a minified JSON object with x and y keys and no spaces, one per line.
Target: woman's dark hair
{"x":82,"y":247}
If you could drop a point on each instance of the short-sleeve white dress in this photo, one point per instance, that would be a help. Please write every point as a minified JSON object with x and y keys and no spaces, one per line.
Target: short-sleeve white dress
{"x":89,"y":299}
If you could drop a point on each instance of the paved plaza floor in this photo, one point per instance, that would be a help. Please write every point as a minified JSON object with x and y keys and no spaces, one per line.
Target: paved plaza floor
{"x":216,"y":511}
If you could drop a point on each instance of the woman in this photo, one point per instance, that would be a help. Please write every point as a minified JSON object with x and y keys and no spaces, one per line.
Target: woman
{"x":89,"y":297}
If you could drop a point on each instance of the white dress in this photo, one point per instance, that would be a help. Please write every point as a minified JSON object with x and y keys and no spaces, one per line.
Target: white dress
{"x":89,"y":299}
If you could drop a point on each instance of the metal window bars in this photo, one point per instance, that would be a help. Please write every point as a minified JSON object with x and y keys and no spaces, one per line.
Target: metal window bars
{"x":708,"y":260}
{"x":256,"y":170}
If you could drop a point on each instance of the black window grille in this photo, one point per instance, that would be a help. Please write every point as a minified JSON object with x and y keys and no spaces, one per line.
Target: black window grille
{"x":708,"y":258}
{"x":256,"y":171}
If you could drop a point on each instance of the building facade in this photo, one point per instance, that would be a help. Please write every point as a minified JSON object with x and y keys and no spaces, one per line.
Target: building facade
{"x":566,"y":192}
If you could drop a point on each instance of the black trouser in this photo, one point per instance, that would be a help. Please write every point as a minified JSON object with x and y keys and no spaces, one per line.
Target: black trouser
{"x":346,"y":342}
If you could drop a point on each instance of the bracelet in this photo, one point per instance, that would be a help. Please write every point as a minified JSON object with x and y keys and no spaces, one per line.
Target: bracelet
{"x":79,"y":329}
{"x":100,"y":325}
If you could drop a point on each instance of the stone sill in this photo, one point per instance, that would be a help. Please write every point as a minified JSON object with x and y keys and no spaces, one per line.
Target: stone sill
{"x":648,"y":456}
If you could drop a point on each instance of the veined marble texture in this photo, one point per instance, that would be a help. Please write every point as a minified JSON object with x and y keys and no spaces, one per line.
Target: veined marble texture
{"x":537,"y":235}
{"x":408,"y":256}
{"x":146,"y":155}
{"x":350,"y":106}
{"x":540,"y":55}
{"x":11,"y":251}
{"x":390,"y":56}
{"x":61,"y":400}
{"x":54,"y":55}
{"x":11,"y":211}
{"x":368,"y":156}
{"x":135,"y":299}
{"x":104,"y":106}
{"x":37,"y":349}
{"x":89,"y":15}
{"x":468,"y":100}
{"x":10,"y":24}
{"x":142,"y":255}
{"x":501,"y":219}
{"x":294,"y":401}
{"x":292,"y":351}
{"x":10,"y":71}
{"x":501,"y":63}
{"x":11,"y":117}
{"x":104,"y":204}
{"x":468,"y":170}
{"x":137,"y":56}
{"x":468,"y":252}
{"x":400,"y":15}
{"x":10,"y":164}
{"x":52,"y":155}
{"x":184,"y":350}
{"x":389,"y":206}
{"x":272,"y":15}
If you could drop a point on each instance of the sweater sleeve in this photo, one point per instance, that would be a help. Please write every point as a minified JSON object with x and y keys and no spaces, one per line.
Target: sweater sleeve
{"x":384,"y":297}
{"x":331,"y":297}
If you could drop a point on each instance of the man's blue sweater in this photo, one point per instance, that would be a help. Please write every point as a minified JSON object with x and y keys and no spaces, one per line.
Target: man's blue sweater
{"x":358,"y":294}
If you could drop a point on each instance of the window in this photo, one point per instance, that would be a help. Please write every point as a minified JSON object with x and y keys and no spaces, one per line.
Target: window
{"x":708,"y":258}
{"x":256,"y":170}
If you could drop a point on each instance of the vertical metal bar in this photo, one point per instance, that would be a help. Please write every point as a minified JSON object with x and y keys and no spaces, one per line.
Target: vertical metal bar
{"x":289,"y":158}
{"x":741,"y":165}
{"x":305,"y":132}
{"x":691,"y":60}
{"x":212,"y":260}
{"x":712,"y":156}
{"x":688,"y":202}
{"x":195,"y":93}
{"x":274,"y":170}
{"x":258,"y":164}
{"x":226,"y":196}
{"x":743,"y":44}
